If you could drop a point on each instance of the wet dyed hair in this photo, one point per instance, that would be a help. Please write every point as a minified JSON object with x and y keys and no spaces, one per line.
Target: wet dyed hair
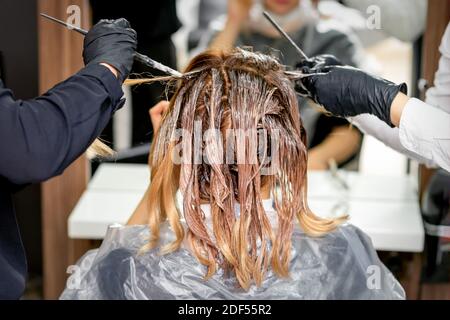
{"x":237,"y":90}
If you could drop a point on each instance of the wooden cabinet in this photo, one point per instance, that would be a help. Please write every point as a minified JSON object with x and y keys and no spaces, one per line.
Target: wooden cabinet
{"x":59,"y":57}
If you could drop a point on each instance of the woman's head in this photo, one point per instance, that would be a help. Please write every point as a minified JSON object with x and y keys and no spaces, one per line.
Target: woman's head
{"x":231,"y":131}
{"x":281,"y":7}
{"x":291,"y":15}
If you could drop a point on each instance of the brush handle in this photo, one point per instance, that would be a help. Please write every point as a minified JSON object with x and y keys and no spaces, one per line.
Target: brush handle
{"x":285,"y":35}
{"x":137,"y":56}
{"x":155,"y":65}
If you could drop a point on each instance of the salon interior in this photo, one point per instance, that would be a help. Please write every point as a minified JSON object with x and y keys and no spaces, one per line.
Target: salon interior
{"x":400,"y":204}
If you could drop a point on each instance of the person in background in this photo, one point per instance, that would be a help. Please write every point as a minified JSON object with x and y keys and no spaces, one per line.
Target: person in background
{"x":154,"y":24}
{"x":208,"y":10}
{"x":329,"y":138}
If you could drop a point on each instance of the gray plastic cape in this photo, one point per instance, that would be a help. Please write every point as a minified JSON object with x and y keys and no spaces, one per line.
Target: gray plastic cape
{"x":340,"y":265}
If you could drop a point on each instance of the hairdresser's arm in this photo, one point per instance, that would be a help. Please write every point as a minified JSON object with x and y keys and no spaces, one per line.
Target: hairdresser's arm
{"x":371,"y":125}
{"x":238,"y":12}
{"x":342,"y":143}
{"x":348,"y":92}
{"x":41,"y":137}
{"x":422,"y":132}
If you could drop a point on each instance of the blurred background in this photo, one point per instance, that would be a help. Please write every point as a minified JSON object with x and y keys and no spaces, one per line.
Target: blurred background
{"x":395,"y":39}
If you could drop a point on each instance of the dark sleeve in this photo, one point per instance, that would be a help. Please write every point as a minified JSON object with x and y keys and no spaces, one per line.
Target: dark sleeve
{"x":41,"y":137}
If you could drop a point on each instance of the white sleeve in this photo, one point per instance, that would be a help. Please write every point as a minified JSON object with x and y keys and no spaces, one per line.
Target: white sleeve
{"x":373,"y":126}
{"x":439,"y":95}
{"x":425,"y":130}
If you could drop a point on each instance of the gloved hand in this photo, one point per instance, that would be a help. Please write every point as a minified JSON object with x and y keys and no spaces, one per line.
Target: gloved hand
{"x":112,"y":42}
{"x":319,"y":61}
{"x":345,"y":91}
{"x":314,"y":63}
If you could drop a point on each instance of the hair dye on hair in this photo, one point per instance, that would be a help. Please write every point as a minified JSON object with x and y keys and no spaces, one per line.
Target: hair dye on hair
{"x":245,"y":107}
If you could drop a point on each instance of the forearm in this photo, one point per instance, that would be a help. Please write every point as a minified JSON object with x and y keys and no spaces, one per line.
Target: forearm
{"x":371,"y":125}
{"x":425,"y":130}
{"x":41,"y":137}
{"x":226,"y":39}
{"x":342,"y":143}
{"x":397,"y":107}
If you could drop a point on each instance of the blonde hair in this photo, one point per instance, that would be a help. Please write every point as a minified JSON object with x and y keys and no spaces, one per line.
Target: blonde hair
{"x":237,"y":90}
{"x":99,"y":149}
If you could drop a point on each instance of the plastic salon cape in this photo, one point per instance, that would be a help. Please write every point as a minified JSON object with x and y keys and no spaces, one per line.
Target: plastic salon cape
{"x":340,"y":265}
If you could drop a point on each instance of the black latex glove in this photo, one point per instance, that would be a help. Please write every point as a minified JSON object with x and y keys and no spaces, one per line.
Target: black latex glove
{"x":345,"y":91}
{"x":314,"y":63}
{"x":319,"y":61}
{"x":112,"y":42}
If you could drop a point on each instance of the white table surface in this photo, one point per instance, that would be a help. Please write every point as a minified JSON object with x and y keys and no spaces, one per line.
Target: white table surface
{"x":386,"y":208}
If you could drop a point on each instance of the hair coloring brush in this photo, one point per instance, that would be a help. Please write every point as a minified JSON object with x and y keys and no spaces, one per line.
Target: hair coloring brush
{"x":285,"y":35}
{"x":137,"y":56}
